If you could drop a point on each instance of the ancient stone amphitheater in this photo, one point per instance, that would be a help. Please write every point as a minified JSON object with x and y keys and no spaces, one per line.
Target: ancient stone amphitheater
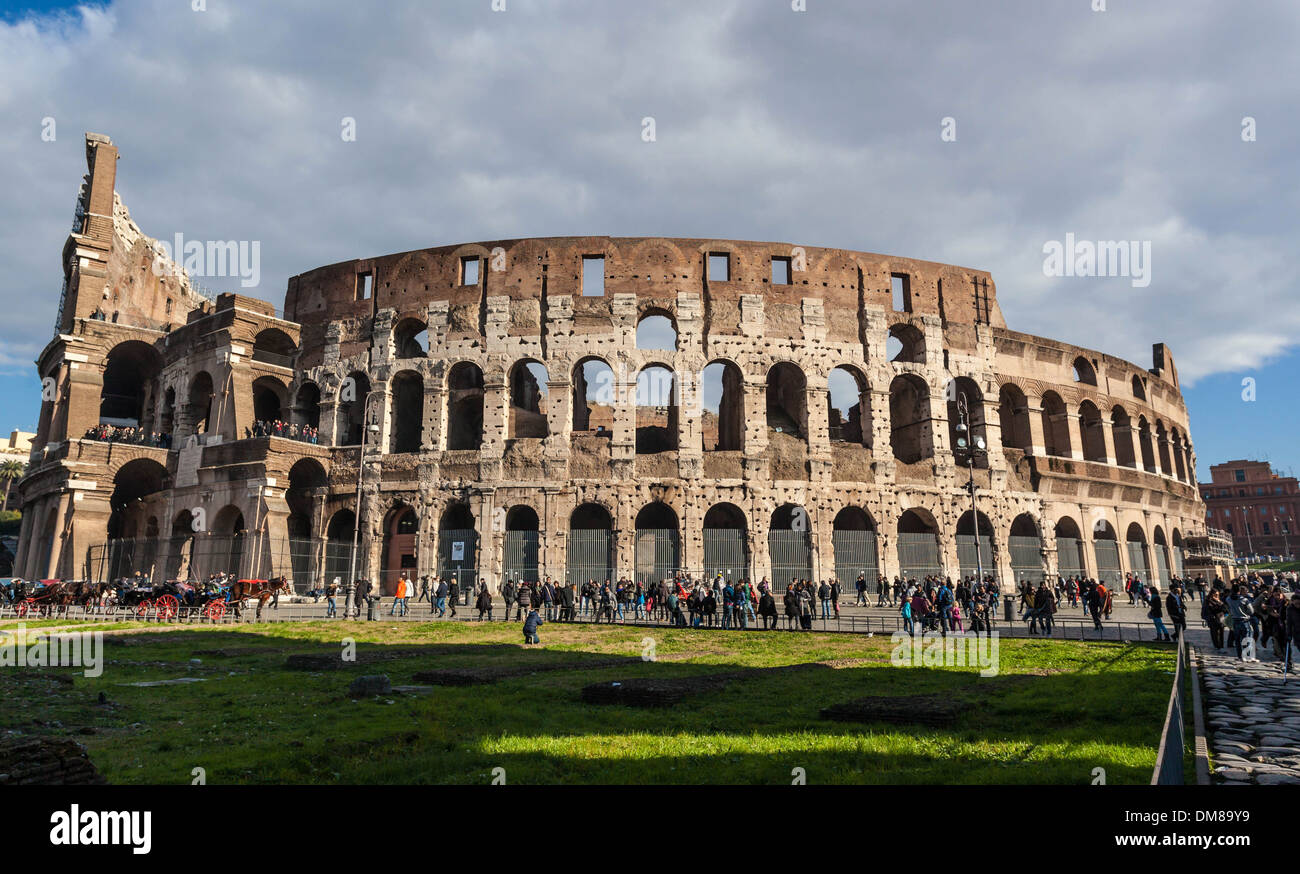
{"x":589,"y":407}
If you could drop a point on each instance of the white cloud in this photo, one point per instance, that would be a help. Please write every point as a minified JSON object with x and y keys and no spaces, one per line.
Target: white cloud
{"x":819,"y":128}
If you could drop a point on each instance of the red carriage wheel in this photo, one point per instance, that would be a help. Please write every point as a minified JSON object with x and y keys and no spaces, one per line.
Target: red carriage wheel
{"x":20,"y":609}
{"x":168,"y":606}
{"x":216,"y":610}
{"x":143,"y":607}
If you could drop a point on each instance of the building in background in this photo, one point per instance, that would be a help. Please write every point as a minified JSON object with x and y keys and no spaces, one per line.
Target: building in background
{"x":1255,"y":505}
{"x":17,"y":448}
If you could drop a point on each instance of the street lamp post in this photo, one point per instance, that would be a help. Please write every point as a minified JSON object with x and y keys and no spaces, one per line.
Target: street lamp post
{"x":970,"y":450}
{"x":370,"y":427}
{"x":1250,"y":545}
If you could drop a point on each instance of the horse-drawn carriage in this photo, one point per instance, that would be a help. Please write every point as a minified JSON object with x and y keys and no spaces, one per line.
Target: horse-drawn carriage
{"x":169,"y":601}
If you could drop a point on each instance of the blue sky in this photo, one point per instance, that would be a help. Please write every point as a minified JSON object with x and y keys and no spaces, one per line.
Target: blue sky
{"x":819,"y":128}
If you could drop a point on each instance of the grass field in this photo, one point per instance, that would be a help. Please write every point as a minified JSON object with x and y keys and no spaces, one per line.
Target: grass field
{"x":1056,"y":711}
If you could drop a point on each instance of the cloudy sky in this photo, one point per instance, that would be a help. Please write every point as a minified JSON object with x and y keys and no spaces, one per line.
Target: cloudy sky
{"x":822,"y":127}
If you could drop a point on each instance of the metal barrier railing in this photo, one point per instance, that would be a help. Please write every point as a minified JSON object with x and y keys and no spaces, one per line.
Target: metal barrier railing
{"x":1169,"y":758}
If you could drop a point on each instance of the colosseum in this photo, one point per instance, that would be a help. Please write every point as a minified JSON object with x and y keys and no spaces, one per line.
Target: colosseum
{"x":581,"y":407}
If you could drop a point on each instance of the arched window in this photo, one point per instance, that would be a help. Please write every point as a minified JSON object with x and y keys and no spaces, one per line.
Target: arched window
{"x":910,"y":432}
{"x":406,"y":412}
{"x":465,"y":406}
{"x":1121,"y":430}
{"x":722,"y":393}
{"x":126,"y":398}
{"x":273,"y":346}
{"x":848,"y":405}
{"x":1056,"y":426}
{"x":306,"y":405}
{"x":656,"y":410}
{"x":1139,"y":389}
{"x":656,"y":331}
{"x":591,"y":545}
{"x":411,"y":339}
{"x":658,"y":543}
{"x":529,"y":387}
{"x":199,"y":407}
{"x":787,"y":400}
{"x":906,"y":343}
{"x":853,"y":537}
{"x":1084,"y":372}
{"x":1013,"y":418}
{"x":593,"y":396}
{"x":352,"y":397}
{"x":1093,"y":432}
{"x":269,"y":396}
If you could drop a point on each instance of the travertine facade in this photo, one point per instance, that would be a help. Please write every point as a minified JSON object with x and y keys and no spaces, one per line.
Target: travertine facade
{"x":521,"y":425}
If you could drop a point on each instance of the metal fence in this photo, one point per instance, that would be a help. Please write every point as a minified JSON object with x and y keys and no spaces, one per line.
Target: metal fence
{"x":1069,"y":557}
{"x":657,"y":552}
{"x":967,"y":565}
{"x":726,"y":552}
{"x":1137,"y":560}
{"x":458,"y":555}
{"x":520,"y":558}
{"x":791,"y":556}
{"x":1108,"y":572}
{"x":1026,"y":558}
{"x":918,"y":556}
{"x":1169,"y":757}
{"x":855,"y":553}
{"x":590,"y":555}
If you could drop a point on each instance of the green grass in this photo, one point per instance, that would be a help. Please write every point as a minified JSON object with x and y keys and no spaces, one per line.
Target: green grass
{"x":1057,"y":710}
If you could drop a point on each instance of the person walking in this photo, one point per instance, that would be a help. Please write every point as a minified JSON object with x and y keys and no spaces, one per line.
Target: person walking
{"x":1156,"y":615}
{"x":1212,"y":612}
{"x":331,"y":592}
{"x":1177,"y":610}
{"x":484,"y":604}
{"x":441,"y":596}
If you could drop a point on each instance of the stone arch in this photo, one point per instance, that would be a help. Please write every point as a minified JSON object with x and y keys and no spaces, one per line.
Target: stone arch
{"x":406,"y":412}
{"x":1121,"y":429}
{"x":270,"y":399}
{"x":594,"y":394}
{"x":1148,"y":450}
{"x":529,"y":396}
{"x":1056,"y":425}
{"x":855,"y":545}
{"x":411,"y":338}
{"x":126,"y":397}
{"x":306,"y":405}
{"x":1092,"y":432}
{"x":656,"y":330}
{"x":273,"y":346}
{"x":726,"y":543}
{"x":1084,"y":372}
{"x":465,"y":392}
{"x":906,"y":343}
{"x":1070,"y":561}
{"x":918,"y":544}
{"x":353,"y":399}
{"x":722,"y":389}
{"x":787,"y":400}
{"x":910,"y":421}
{"x":656,"y":410}
{"x":658,"y":543}
{"x":848,"y":406}
{"x":1013,"y":418}
{"x":591,"y":547}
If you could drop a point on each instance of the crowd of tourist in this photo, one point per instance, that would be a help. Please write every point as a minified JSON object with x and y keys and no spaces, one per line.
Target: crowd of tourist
{"x":287,"y":430}
{"x":128,"y":434}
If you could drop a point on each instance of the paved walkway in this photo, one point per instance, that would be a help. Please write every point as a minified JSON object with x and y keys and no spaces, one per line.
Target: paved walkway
{"x":1253,"y":716}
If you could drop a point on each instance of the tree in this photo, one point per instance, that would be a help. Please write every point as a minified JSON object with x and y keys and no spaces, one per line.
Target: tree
{"x":10,"y":471}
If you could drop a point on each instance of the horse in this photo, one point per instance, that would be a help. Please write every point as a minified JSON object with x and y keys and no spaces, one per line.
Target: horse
{"x":262,"y":590}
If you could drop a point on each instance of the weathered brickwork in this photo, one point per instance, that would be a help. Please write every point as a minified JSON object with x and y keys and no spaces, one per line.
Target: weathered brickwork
{"x":499,"y":391}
